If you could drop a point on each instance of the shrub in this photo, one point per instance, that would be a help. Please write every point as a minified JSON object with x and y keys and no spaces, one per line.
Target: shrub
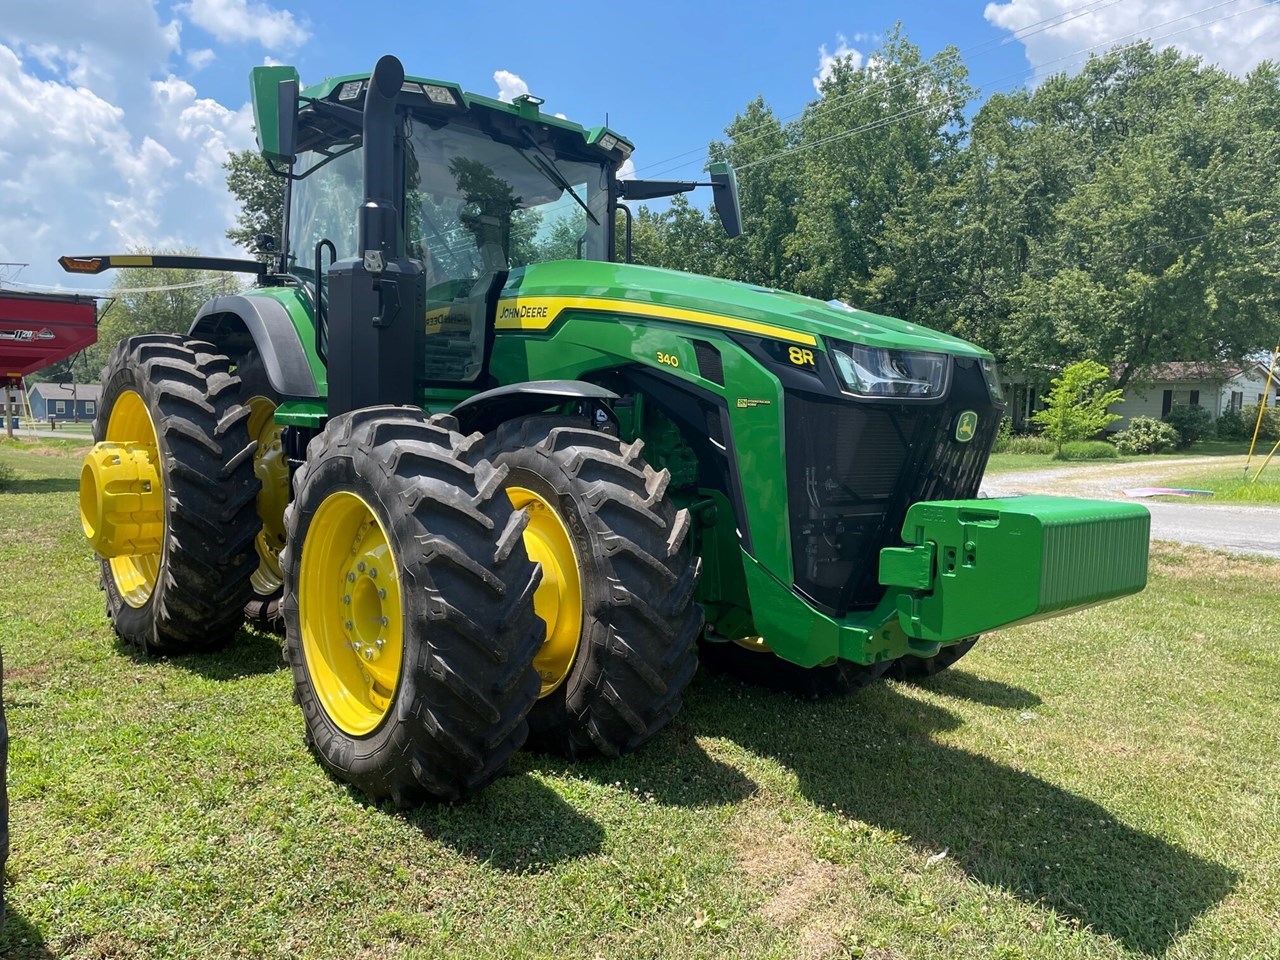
{"x":1242,"y":425}
{"x":1193,"y":424}
{"x":1146,"y":435}
{"x":1231,"y":426}
{"x":1027,"y":443}
{"x":7,"y":476}
{"x":1087,"y":450}
{"x":1003,"y":435}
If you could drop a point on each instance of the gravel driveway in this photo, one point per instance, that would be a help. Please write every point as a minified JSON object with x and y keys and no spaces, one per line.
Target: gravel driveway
{"x":1218,"y":526}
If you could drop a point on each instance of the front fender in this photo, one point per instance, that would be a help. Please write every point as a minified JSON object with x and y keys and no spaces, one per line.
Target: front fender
{"x":262,"y":324}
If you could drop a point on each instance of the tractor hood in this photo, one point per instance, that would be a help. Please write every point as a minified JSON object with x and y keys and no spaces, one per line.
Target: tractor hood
{"x":537,"y":294}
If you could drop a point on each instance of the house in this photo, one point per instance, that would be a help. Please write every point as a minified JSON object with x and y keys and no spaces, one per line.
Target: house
{"x":1215,"y":387}
{"x":64,"y":401}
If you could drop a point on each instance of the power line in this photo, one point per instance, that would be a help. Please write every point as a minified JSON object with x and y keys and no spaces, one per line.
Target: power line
{"x":43,"y":288}
{"x":828,"y":103}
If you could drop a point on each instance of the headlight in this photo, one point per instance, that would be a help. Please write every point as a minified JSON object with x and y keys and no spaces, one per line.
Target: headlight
{"x":880,"y":372}
{"x":992,"y":375}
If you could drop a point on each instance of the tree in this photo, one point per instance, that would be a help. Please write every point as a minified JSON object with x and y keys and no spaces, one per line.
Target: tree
{"x":260,"y":194}
{"x":155,"y":301}
{"x":1077,"y":405}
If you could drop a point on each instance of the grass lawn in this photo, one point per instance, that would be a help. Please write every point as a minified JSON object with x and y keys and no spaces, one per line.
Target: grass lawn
{"x":1233,"y":485}
{"x":1106,"y":785}
{"x":1007,"y":462}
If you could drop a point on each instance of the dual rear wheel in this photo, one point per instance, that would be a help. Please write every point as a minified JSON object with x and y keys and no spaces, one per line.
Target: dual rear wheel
{"x":424,"y":642}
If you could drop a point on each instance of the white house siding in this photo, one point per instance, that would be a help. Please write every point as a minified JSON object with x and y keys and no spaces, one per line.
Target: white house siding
{"x":1251,"y":384}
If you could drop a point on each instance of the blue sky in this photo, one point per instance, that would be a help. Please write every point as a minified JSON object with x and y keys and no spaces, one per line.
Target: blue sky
{"x":115,"y":116}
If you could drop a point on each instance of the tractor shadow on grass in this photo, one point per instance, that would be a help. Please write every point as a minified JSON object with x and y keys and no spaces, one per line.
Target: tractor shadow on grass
{"x":20,"y":939}
{"x":875,"y":759}
{"x":44,"y":485}
{"x":516,"y":824}
{"x":672,"y":769}
{"x":990,"y":693}
{"x":250,"y":653}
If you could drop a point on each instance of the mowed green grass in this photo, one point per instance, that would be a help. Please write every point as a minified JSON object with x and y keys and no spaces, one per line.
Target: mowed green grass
{"x":1105,"y":785}
{"x":1007,"y":462}
{"x":1235,"y":485}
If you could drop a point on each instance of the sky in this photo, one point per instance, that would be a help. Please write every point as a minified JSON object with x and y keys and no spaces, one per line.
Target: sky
{"x":116,"y":115}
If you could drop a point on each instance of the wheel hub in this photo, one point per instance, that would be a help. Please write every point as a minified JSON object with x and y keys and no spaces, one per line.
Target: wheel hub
{"x":349,"y":610}
{"x":558,"y":599}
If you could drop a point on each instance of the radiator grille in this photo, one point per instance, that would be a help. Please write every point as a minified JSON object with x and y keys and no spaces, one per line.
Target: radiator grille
{"x":853,"y":469}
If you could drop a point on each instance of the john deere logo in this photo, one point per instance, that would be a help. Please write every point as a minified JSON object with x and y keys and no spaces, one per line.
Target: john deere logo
{"x":966,"y":426}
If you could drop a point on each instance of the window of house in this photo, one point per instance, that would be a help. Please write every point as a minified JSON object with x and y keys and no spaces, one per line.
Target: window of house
{"x":90,"y":408}
{"x":1237,"y":399}
{"x":1166,"y":403}
{"x":59,"y":407}
{"x":1195,"y":398}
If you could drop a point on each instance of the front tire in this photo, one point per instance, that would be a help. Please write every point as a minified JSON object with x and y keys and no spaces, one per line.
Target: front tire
{"x":622,"y":621}
{"x":178,"y":398}
{"x":408,"y":607}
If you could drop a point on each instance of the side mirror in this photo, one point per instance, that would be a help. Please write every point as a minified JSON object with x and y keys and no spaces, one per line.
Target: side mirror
{"x":724,"y":190}
{"x":274,"y":91}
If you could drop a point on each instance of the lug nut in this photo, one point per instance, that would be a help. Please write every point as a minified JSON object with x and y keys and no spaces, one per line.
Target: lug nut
{"x":351,"y":578}
{"x":346,"y":598}
{"x":382,"y":594}
{"x":368,"y":653}
{"x":385,"y":621}
{"x":360,"y":566}
{"x":373,"y":571}
{"x":347,"y":625}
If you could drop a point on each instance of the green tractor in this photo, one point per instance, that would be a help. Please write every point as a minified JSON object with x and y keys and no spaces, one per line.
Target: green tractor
{"x":498,"y":486}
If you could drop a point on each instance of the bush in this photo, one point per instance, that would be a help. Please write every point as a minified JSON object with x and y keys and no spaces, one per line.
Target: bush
{"x":1087,"y":450}
{"x":1239,"y":425}
{"x":7,"y":476}
{"x":1078,"y":403}
{"x":1026,"y":444}
{"x":1003,"y":435}
{"x":1146,"y":435}
{"x":1193,"y":424}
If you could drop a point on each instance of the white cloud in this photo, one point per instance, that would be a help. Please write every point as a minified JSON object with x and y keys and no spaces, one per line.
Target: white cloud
{"x":510,"y":86}
{"x":232,"y":20}
{"x":199,"y":59}
{"x":83,"y":171}
{"x":1244,"y":34}
{"x":627,"y":171}
{"x":561,"y":116}
{"x":827,"y":60}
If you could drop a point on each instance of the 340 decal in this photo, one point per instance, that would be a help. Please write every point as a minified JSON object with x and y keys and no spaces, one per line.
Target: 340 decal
{"x":670,"y":359}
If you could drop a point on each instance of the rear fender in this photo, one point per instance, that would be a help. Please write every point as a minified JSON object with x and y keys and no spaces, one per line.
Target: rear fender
{"x":240,"y":324}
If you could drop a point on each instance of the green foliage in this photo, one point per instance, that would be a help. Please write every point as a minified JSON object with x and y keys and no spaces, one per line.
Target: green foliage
{"x":1077,"y":405}
{"x":1146,"y":435}
{"x":1087,"y":450}
{"x":7,"y":476}
{"x":1026,"y":443}
{"x":139,"y":307}
{"x":260,"y":194}
{"x":1239,"y":425}
{"x":1193,"y":424}
{"x":1004,"y":433}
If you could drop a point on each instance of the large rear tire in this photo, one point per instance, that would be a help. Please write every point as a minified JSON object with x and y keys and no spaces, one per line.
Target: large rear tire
{"x":622,"y":623}
{"x":178,"y":398}
{"x":271,"y":466}
{"x":408,"y":606}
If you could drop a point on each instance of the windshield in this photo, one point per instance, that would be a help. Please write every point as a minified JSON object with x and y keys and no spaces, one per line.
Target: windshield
{"x":473,"y":207}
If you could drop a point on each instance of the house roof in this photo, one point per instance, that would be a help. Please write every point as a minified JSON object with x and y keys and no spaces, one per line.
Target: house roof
{"x":68,"y":391}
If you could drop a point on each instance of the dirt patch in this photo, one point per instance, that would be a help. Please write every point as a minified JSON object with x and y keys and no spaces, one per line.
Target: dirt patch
{"x":766,"y":853}
{"x":795,"y":898}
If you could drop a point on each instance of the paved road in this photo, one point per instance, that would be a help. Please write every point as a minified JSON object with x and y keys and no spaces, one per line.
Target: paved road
{"x":1219,"y":526}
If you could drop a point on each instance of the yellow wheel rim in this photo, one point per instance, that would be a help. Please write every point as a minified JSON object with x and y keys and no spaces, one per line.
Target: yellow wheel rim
{"x":349,"y":609}
{"x":135,"y":576}
{"x":272,"y":469}
{"x":558,"y":599}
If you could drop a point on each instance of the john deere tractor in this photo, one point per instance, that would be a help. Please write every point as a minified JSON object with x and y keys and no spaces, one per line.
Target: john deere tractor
{"x":499,"y":486}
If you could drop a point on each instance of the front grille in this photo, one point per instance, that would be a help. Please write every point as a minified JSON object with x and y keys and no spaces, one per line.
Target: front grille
{"x":853,"y":469}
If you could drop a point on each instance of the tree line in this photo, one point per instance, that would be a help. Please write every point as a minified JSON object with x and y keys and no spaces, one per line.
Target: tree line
{"x":1125,"y":214}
